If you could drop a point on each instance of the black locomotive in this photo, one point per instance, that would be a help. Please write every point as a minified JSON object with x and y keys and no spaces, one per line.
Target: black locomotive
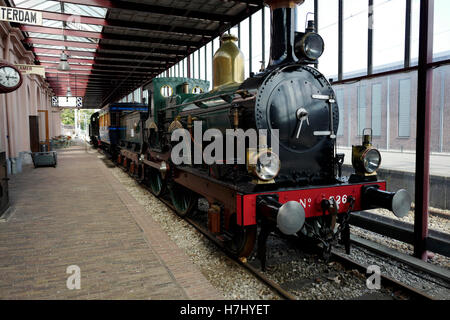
{"x":300,"y":192}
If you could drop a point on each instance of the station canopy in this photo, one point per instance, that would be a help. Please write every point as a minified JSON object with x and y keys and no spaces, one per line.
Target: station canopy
{"x":117,"y":46}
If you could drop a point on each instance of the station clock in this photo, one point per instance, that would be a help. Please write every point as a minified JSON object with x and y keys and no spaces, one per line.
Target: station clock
{"x":10,"y":78}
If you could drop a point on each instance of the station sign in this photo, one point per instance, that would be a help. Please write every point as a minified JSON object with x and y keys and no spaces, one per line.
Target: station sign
{"x":67,"y":102}
{"x":31,"y":69}
{"x":21,"y":16}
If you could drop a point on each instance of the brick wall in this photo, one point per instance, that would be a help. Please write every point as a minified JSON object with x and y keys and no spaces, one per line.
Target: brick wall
{"x":389,"y":139}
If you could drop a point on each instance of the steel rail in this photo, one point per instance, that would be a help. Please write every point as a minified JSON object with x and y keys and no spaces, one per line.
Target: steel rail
{"x":388,"y":281}
{"x":437,"y":242}
{"x":403,"y":258}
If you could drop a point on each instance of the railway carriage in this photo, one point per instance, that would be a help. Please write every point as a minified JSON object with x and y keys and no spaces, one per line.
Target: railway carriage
{"x":94,"y":129}
{"x":124,"y":130}
{"x":113,"y":133}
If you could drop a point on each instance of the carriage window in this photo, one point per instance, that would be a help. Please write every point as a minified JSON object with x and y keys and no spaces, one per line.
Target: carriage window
{"x":114,"y":119}
{"x":145,"y":97}
{"x":197,"y":90}
{"x":166,"y":91}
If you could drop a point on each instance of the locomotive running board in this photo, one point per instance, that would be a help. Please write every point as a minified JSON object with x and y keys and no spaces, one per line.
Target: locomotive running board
{"x":161,"y":166}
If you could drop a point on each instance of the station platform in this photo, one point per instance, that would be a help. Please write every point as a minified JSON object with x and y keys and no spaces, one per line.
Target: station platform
{"x":79,"y":215}
{"x":406,"y":162}
{"x":398,"y":169}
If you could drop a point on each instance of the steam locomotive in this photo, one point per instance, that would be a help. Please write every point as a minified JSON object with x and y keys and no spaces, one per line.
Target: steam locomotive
{"x":300,"y":192}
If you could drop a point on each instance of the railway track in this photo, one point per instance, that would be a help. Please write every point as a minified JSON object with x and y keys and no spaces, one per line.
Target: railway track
{"x":289,"y":292}
{"x":285,"y":293}
{"x":336,"y":256}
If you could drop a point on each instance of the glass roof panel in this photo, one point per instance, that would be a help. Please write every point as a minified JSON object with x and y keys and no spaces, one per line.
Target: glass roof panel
{"x":52,"y":23}
{"x":51,"y":6}
{"x":81,"y":39}
{"x":71,"y":63}
{"x":82,"y":57}
{"x":81,"y":49}
{"x":83,"y":10}
{"x":84,"y":27}
{"x":43,"y":55}
{"x":45,"y":46}
{"x":67,"y":8}
{"x":45,"y":36}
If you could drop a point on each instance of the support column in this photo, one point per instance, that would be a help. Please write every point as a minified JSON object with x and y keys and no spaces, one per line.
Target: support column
{"x":316,"y":24}
{"x":341,"y":41}
{"x":408,"y":34}
{"x":424,"y":105}
{"x":370,"y":40}
{"x":189,"y":66}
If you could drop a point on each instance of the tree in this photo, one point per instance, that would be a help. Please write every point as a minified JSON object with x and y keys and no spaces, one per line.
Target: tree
{"x":68,"y":117}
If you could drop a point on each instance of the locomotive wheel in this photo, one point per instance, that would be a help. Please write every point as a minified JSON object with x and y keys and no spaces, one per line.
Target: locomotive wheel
{"x":156,"y":182}
{"x":243,"y":239}
{"x":183,"y":200}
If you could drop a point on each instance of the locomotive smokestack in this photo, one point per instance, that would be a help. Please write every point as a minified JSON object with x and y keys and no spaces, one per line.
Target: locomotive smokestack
{"x":283,"y":31}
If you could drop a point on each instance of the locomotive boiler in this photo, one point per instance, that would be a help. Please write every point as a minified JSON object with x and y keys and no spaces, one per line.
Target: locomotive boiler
{"x":300,"y":192}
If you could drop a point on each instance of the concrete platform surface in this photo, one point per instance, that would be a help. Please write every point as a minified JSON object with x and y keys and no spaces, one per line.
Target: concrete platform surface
{"x":79,"y":215}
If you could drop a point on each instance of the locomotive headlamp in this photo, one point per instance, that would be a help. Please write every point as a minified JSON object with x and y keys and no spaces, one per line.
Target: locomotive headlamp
{"x":265,"y":165}
{"x":311,"y":46}
{"x":366,"y":159}
{"x":268,"y":166}
{"x":372,"y":160}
